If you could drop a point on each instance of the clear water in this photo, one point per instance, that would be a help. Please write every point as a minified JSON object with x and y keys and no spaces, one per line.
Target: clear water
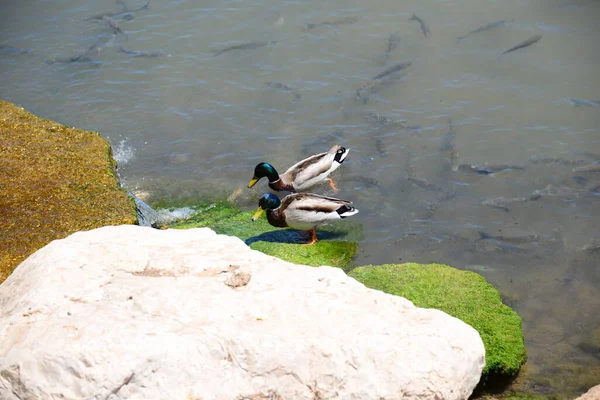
{"x":193,"y":124}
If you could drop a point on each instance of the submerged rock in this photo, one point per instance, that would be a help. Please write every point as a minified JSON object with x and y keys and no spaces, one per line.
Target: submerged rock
{"x":134,"y":312}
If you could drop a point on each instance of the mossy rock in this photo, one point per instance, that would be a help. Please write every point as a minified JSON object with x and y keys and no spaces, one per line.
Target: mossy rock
{"x":336,"y":245}
{"x":465,"y":295}
{"x":55,"y":181}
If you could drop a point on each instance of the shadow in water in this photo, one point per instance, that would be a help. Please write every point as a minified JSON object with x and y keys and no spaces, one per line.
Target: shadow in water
{"x":292,"y":236}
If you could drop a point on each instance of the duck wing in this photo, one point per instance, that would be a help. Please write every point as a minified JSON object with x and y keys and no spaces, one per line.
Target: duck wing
{"x":311,"y":202}
{"x":313,"y":169}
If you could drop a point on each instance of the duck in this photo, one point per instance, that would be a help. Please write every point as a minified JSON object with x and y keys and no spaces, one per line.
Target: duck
{"x":303,"y":211}
{"x":304,"y":174}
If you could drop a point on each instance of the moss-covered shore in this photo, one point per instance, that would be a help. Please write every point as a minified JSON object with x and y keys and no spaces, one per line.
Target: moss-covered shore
{"x":54,"y":181}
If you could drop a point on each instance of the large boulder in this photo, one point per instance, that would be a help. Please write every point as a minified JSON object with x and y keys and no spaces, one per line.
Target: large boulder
{"x":138,"y":313}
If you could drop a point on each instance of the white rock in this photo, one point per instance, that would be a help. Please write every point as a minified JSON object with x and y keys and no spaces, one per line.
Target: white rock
{"x":132,"y":312}
{"x":592,"y":394}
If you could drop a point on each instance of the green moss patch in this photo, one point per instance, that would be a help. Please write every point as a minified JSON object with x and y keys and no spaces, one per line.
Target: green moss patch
{"x":54,"y":181}
{"x":336,"y":245}
{"x":463,"y":294}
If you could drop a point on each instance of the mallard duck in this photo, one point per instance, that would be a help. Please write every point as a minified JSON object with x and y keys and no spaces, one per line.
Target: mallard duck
{"x":305,"y":211}
{"x":303,"y":174}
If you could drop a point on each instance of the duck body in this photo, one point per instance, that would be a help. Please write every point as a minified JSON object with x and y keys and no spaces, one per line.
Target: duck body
{"x":304,"y":174}
{"x":303,"y":211}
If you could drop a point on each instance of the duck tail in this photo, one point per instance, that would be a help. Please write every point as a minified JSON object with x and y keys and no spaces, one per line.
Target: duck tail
{"x":341,"y":154}
{"x":346,"y":211}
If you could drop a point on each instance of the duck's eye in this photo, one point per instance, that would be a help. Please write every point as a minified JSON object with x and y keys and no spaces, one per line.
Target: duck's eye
{"x":340,"y":151}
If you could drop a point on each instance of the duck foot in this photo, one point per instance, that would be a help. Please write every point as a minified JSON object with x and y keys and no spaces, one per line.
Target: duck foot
{"x":332,"y":184}
{"x":313,"y":236}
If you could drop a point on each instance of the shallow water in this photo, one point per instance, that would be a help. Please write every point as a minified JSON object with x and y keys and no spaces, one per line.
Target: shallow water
{"x":193,"y":125}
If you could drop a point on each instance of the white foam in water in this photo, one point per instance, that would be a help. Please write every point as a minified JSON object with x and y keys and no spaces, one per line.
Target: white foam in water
{"x":166,"y":216}
{"x":123,"y":153}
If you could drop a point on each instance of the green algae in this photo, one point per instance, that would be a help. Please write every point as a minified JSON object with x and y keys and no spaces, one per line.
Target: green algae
{"x":336,"y":245}
{"x":55,"y":181}
{"x":463,"y":294}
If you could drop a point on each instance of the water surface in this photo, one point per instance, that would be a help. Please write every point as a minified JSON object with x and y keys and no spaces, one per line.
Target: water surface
{"x":193,"y":125}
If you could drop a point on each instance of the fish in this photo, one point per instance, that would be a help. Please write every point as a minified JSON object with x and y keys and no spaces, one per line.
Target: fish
{"x":593,"y":156}
{"x":493,"y":245}
{"x":556,"y":161}
{"x":425,"y":184}
{"x":449,"y":146}
{"x":393,"y":42}
{"x":5,"y":49}
{"x":334,"y":22}
{"x":491,"y":169}
{"x":585,"y":103}
{"x":592,"y":246}
{"x":384,"y":120}
{"x":526,"y":43}
{"x":588,"y":168}
{"x":483,"y":28}
{"x":113,"y":24}
{"x":391,"y":70}
{"x":284,"y":87}
{"x":244,"y":46}
{"x":125,"y":13}
{"x":368,"y":88}
{"x":82,"y":58}
{"x":377,"y":83}
{"x":424,"y":27}
{"x":148,"y":54}
{"x":509,"y":239}
{"x":580,"y":180}
{"x":502,"y":202}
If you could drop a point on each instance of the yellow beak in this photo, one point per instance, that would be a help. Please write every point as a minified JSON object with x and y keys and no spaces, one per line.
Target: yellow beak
{"x":253,"y":182}
{"x":257,"y":214}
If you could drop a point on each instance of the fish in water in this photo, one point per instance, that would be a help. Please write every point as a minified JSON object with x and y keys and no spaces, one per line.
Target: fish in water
{"x":377,"y":83}
{"x":483,"y":28}
{"x":5,"y":49}
{"x":368,"y":88}
{"x":424,"y":27}
{"x":391,"y":70}
{"x":425,"y":184}
{"x":592,"y":246}
{"x":244,"y":46}
{"x":113,"y":24}
{"x":556,"y":161}
{"x":148,"y":54}
{"x":284,"y":87}
{"x":383,"y":120}
{"x":588,"y":168}
{"x":449,"y":146}
{"x":82,"y":58}
{"x":334,"y":22}
{"x":526,"y":43}
{"x":509,"y":239}
{"x":491,"y":169}
{"x":125,"y":13}
{"x":502,"y":202}
{"x":585,"y":103}
{"x":393,"y":42}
